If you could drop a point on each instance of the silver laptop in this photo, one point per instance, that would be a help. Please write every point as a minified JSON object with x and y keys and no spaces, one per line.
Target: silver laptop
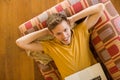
{"x":94,"y":72}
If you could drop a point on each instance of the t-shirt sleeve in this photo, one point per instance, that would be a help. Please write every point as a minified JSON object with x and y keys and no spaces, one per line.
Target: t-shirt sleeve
{"x":45,"y":45}
{"x":82,"y":27}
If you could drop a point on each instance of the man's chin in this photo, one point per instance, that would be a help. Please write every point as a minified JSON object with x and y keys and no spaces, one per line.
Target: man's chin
{"x":66,"y":43}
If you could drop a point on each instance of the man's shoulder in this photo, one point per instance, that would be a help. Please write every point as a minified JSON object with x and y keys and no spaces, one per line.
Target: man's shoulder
{"x":80,"y":25}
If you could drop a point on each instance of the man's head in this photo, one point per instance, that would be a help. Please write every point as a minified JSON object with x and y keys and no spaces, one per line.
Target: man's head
{"x":60,"y":28}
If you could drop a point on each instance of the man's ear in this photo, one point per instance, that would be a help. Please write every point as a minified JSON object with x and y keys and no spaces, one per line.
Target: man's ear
{"x":68,"y":22}
{"x":50,"y":32}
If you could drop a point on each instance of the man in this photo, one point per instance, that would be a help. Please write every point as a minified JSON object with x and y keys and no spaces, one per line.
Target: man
{"x":70,"y":47}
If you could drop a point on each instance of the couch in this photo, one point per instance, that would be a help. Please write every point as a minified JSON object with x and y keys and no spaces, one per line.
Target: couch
{"x":105,"y":38}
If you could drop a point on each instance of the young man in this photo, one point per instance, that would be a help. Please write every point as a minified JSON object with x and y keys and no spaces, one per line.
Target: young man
{"x":70,"y":47}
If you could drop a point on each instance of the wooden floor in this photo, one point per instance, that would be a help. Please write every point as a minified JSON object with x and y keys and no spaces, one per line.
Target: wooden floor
{"x":14,"y":63}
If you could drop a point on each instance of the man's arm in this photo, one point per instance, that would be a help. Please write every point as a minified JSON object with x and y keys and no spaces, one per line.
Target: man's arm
{"x":92,"y":13}
{"x":25,"y":42}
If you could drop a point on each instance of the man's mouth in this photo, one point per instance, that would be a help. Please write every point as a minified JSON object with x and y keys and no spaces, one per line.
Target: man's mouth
{"x":66,"y":39}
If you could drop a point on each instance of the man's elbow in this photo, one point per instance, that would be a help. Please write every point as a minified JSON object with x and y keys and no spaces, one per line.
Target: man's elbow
{"x":18,"y":43}
{"x":101,"y":7}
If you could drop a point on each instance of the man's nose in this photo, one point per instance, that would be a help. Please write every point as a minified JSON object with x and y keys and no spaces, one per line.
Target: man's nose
{"x":64,"y":35}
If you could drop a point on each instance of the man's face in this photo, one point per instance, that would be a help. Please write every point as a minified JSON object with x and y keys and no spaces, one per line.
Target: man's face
{"x":62,"y":32}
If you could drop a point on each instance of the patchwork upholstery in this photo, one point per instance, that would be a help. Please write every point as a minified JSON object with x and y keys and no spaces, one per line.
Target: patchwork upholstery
{"x":105,"y":36}
{"x":106,"y":40}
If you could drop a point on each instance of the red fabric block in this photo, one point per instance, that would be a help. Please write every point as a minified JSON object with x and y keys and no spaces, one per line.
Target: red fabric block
{"x":113,"y":70}
{"x":77,"y":7}
{"x":59,"y":8}
{"x":49,"y":78}
{"x":44,"y":24}
{"x":113,"y":50}
{"x":96,"y":40}
{"x":28,"y":25}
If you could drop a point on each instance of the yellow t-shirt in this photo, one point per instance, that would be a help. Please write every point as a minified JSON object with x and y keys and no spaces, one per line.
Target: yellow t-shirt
{"x":73,"y":57}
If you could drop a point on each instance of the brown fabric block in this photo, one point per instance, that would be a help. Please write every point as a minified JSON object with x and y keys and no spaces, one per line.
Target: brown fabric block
{"x":117,"y":62}
{"x":106,"y":33}
{"x":116,"y":23}
{"x":104,"y":55}
{"x":111,"y":10}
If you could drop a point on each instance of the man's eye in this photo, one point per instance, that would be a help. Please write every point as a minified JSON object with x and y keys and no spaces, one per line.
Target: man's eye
{"x":65,"y":30}
{"x":58,"y":33}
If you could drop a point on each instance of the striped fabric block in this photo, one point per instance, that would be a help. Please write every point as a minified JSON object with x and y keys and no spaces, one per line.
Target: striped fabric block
{"x":105,"y":35}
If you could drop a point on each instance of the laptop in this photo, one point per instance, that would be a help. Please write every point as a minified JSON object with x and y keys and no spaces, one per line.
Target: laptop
{"x":94,"y":72}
